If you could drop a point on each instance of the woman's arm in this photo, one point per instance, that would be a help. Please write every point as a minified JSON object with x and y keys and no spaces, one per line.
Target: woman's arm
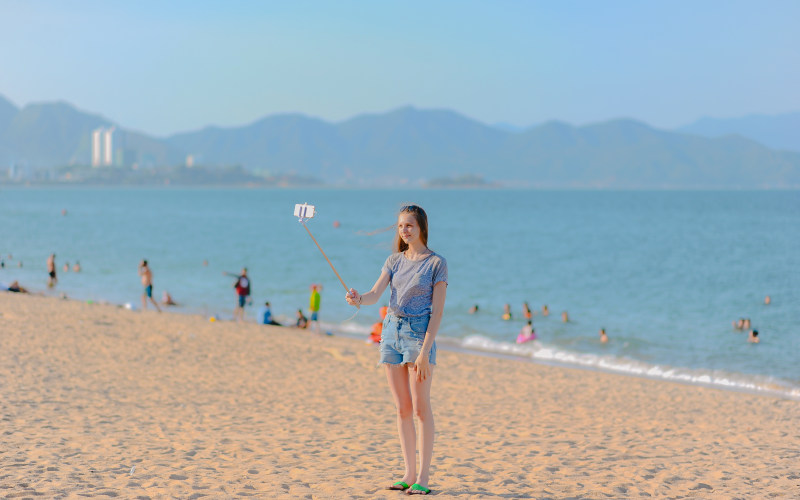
{"x":354,"y":299}
{"x":437,"y":307}
{"x":422,"y":363}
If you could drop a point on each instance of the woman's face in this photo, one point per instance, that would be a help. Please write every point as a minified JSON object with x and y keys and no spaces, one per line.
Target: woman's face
{"x":408,"y":228}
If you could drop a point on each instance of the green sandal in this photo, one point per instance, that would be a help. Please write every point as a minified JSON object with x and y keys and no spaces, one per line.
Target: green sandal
{"x":399,"y":486}
{"x":417,"y":489}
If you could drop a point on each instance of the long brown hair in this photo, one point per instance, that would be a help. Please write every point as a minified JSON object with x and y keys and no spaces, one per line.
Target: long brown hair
{"x":422,"y":221}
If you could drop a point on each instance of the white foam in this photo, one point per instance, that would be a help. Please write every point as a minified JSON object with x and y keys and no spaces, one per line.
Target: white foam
{"x":537,"y":351}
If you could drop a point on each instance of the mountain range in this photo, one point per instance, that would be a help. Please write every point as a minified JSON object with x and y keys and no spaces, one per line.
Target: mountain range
{"x":408,"y":145}
{"x":774,"y":131}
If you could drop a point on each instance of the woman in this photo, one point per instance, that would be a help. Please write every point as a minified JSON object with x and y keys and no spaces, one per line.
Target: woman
{"x":417,"y":278}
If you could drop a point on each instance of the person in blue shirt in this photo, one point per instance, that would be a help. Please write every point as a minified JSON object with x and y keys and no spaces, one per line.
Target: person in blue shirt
{"x":265,"y":315}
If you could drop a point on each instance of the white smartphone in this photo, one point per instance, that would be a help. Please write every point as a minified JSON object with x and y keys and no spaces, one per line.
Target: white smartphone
{"x":304,"y":211}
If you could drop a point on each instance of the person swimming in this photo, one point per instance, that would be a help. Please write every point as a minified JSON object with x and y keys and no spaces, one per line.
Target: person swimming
{"x":526,"y":311}
{"x":506,"y":312}
{"x":603,"y":336}
{"x":753,"y":338}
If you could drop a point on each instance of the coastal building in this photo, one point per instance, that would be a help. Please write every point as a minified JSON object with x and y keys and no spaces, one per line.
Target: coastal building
{"x":105,"y":143}
{"x":97,"y":147}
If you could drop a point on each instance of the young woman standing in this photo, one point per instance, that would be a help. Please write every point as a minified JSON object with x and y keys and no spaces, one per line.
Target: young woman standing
{"x":417,"y":278}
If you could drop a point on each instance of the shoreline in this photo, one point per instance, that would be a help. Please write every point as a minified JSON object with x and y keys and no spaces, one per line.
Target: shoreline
{"x":755,"y":384}
{"x":99,"y":400}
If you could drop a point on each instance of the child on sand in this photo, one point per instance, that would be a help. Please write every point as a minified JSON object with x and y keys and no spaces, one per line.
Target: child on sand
{"x":302,"y":321}
{"x":417,"y":277}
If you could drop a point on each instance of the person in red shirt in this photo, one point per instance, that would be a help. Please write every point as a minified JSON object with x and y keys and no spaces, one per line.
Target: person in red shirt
{"x":242,"y":286}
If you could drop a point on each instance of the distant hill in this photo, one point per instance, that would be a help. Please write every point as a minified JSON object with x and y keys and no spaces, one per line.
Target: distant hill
{"x":7,"y":113}
{"x":780,"y":132}
{"x":409,"y":146}
{"x":56,"y":134}
{"x":48,"y":134}
{"x":508,"y":127}
{"x":630,"y":154}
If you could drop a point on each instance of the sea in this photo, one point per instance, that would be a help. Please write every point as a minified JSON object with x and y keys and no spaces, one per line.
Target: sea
{"x":665,"y":273}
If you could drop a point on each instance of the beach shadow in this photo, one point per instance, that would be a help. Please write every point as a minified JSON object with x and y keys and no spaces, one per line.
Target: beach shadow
{"x":486,"y":494}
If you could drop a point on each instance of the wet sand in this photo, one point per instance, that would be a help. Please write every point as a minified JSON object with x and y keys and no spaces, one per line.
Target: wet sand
{"x":100,"y":401}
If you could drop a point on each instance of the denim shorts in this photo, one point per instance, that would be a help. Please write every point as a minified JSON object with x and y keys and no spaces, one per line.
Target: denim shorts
{"x":402,"y":337}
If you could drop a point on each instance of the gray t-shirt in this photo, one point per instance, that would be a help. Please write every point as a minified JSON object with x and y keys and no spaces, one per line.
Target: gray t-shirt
{"x":411,"y":283}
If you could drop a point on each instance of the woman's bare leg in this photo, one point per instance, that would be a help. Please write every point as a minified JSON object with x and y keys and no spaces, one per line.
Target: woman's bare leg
{"x":398,"y":376}
{"x":421,"y":398}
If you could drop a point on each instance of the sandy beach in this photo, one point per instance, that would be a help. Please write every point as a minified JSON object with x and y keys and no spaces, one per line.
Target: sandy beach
{"x":100,"y":401}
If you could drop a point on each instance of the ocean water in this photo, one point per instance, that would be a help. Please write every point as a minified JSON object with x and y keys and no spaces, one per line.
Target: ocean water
{"x":664,"y":272}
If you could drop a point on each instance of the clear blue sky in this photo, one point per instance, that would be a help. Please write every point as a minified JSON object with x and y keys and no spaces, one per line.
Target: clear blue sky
{"x":168,"y":66}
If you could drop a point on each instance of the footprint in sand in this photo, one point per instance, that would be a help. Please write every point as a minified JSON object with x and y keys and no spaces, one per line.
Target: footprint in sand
{"x":337,"y":355}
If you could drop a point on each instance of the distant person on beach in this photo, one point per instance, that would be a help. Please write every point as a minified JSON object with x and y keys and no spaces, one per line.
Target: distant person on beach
{"x":302,"y":321}
{"x":767,"y":300}
{"x":243,"y":291}
{"x":473,"y":309}
{"x":51,"y":271}
{"x":753,"y":337}
{"x":545,"y":310}
{"x":565,"y":317}
{"x":265,"y":315}
{"x":14,"y":287}
{"x":166,"y":299}
{"x":77,"y":267}
{"x":603,"y":336}
{"x":506,"y":312}
{"x":147,"y":282}
{"x":526,"y":311}
{"x":417,"y":278}
{"x":313,"y":306}
{"x":377,"y":327}
{"x":527,"y":333}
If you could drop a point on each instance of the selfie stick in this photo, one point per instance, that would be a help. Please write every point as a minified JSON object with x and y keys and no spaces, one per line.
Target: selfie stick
{"x":305,"y":212}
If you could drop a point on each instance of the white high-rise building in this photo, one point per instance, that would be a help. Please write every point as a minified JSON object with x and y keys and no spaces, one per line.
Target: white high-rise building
{"x":103,"y":146}
{"x":97,"y":147}
{"x":108,"y":149}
